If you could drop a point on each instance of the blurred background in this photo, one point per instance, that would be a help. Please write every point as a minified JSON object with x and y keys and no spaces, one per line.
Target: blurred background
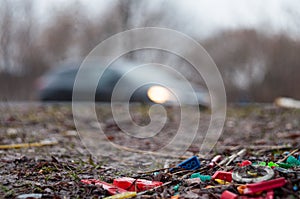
{"x":255,"y":44}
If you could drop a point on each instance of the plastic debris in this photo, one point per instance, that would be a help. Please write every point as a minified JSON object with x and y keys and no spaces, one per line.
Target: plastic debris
{"x":272,"y":164}
{"x":30,"y":195}
{"x":252,"y":173}
{"x":131,"y":184}
{"x":175,"y":197}
{"x":262,"y":164}
{"x":219,"y":181}
{"x":192,"y":163}
{"x":286,"y":153}
{"x":222,"y":175}
{"x":122,"y":195}
{"x":229,"y":159}
{"x":295,"y":188}
{"x":284,"y":165}
{"x":203,"y":178}
{"x":228,"y":195}
{"x":176,"y":187}
{"x":241,"y":179}
{"x":293,"y":161}
{"x":245,"y":163}
{"x":261,"y":186}
{"x":111,"y":189}
{"x":215,"y":160}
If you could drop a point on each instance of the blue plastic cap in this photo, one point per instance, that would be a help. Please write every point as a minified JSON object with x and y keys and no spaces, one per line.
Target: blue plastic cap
{"x":190,"y":164}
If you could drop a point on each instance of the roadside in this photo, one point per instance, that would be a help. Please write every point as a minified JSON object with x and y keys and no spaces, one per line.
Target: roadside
{"x":58,"y":169}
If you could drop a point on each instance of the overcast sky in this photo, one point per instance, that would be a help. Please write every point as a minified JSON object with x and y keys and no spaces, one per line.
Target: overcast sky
{"x":209,"y":15}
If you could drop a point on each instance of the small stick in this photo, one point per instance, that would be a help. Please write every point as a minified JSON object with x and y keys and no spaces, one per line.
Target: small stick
{"x":26,"y":145}
{"x":291,"y":153}
{"x":153,"y":189}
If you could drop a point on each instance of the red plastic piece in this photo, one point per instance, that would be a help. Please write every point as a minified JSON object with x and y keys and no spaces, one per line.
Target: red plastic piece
{"x":228,"y":195}
{"x":227,"y":176}
{"x":264,"y":186}
{"x":111,"y":189}
{"x":270,"y":195}
{"x":131,"y":184}
{"x":245,"y":163}
{"x":216,"y":159}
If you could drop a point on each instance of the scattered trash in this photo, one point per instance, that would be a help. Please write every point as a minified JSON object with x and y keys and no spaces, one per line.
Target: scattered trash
{"x":293,"y":161}
{"x":219,"y":181}
{"x":272,"y":164}
{"x":175,"y":197}
{"x":176,"y":187}
{"x":222,"y":175}
{"x":237,"y":178}
{"x":203,"y":178}
{"x":190,"y":164}
{"x":228,"y":160}
{"x":284,"y":165}
{"x":36,"y":196}
{"x":245,"y":163}
{"x":122,"y":195}
{"x":261,"y":186}
{"x":111,"y":189}
{"x":252,"y":173}
{"x":131,"y":184}
{"x":30,"y":195}
{"x":263,"y":164}
{"x":228,"y":195}
{"x":215,"y":160}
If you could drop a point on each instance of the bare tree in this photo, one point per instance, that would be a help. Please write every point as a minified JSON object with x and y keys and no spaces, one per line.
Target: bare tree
{"x":6,"y":31}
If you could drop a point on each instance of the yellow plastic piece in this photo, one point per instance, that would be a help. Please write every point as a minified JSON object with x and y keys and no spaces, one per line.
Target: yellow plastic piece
{"x":122,"y":195}
{"x":219,"y":181}
{"x":253,"y":174}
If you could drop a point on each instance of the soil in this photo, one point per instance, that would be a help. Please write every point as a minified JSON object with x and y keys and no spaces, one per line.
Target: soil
{"x":118,"y":149}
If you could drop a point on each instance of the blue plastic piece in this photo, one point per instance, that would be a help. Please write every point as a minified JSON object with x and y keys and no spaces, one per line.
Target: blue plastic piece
{"x":286,"y":153}
{"x":295,"y":188}
{"x":190,"y":164}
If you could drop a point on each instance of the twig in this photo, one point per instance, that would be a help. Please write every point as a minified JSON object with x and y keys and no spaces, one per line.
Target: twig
{"x":26,"y":145}
{"x":153,"y":189}
{"x":291,"y":153}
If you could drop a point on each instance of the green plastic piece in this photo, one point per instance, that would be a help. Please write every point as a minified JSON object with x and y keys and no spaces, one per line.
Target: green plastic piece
{"x":203,"y":178}
{"x":195,"y":175}
{"x":272,"y":164}
{"x":293,"y":161}
{"x":176,"y":187}
{"x":284,"y":165}
{"x":262,"y":164}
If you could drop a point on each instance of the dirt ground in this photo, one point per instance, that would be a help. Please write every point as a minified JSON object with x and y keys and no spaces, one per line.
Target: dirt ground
{"x":56,"y":169}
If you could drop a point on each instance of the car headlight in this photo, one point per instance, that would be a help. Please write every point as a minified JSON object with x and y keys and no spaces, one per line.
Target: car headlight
{"x":159,"y":94}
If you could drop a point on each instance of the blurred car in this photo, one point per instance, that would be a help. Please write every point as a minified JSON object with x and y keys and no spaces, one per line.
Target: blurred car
{"x":151,"y":84}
